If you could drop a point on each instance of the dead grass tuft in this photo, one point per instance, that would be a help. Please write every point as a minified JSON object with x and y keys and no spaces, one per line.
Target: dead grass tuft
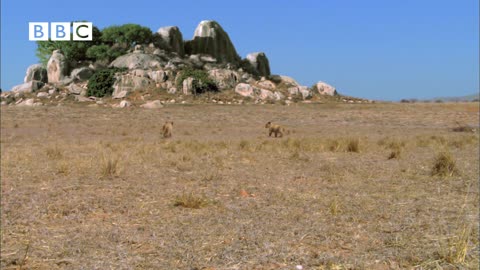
{"x":190,"y":200}
{"x":444,"y":165}
{"x":109,"y":166}
{"x":54,"y":152}
{"x":353,"y":145}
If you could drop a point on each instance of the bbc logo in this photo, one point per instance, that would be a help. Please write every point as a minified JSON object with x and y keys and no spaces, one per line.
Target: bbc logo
{"x":60,"y":31}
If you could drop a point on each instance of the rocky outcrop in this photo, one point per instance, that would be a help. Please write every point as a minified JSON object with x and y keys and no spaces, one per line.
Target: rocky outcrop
{"x":126,"y":83}
{"x":324,"y":89}
{"x":210,"y":38}
{"x":259,"y":61}
{"x":138,"y":61}
{"x":303,"y":91}
{"x":171,"y":39}
{"x":245,"y":90}
{"x":36,"y":72}
{"x":57,"y":67}
{"x":266,"y":84}
{"x":27,"y":87}
{"x":289,"y":81}
{"x":77,"y":90}
{"x":224,"y":78}
{"x":81,"y":74}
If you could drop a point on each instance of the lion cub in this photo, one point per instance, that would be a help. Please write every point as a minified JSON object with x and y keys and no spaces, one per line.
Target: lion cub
{"x":276,"y":129}
{"x":167,"y":129}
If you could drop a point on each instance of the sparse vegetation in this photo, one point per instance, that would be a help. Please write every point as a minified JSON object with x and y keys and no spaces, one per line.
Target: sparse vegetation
{"x":190,"y":200}
{"x":444,"y":165}
{"x":78,"y":180}
{"x":202,"y":83}
{"x":353,"y":145}
{"x":101,"y":82}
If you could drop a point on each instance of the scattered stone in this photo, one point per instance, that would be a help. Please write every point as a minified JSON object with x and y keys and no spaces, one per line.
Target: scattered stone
{"x":42,"y":95}
{"x":77,"y":90}
{"x":124,"y":104}
{"x":156,"y":104}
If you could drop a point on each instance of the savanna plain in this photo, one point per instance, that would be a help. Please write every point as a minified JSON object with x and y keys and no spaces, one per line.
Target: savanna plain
{"x":351,"y":186}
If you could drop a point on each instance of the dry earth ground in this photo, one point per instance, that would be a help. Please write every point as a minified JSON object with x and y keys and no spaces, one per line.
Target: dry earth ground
{"x":351,"y":187}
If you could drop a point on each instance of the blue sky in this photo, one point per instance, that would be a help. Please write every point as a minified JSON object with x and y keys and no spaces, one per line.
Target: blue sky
{"x":377,"y":49}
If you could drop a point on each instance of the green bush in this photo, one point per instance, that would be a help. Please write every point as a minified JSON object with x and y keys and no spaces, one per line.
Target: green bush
{"x":101,"y":83}
{"x":202,"y":83}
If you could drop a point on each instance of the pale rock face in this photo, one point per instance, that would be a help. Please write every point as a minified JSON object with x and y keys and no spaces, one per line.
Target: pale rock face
{"x":278,"y":96}
{"x":57,"y":68}
{"x":172,"y":39}
{"x":139,"y":73}
{"x":224,"y":78}
{"x":187,"y":86}
{"x":260,"y":62}
{"x":210,"y":38}
{"x":300,"y":90}
{"x":28,"y":102}
{"x":156,"y":104}
{"x":128,"y":83}
{"x":42,"y":95}
{"x":245,"y":90}
{"x":325,"y":89}
{"x":36,"y":72}
{"x":27,"y":87}
{"x":265,"y":94}
{"x":158,"y":76}
{"x":289,"y":80}
{"x":267,"y":84}
{"x":138,"y":61}
{"x":172,"y":90}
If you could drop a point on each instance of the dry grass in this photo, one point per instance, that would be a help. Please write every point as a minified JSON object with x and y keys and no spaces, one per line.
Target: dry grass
{"x":99,"y":189}
{"x":190,"y":200}
{"x":444,"y":165}
{"x":353,"y":145}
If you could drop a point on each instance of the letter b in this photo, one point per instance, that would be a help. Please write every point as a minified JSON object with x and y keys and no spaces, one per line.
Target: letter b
{"x":60,"y":31}
{"x":37,"y":31}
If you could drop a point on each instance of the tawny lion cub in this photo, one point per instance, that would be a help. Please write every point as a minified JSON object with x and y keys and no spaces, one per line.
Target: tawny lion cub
{"x":167,"y":129}
{"x":276,"y":129}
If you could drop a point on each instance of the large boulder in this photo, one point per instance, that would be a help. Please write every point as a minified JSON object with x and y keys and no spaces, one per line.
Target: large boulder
{"x":325,"y":89}
{"x":77,"y":90}
{"x":138,"y":61}
{"x":260,"y":62}
{"x":27,"y":87}
{"x":81,"y":74}
{"x":224,"y":78}
{"x":289,"y":80}
{"x":266,"y":94}
{"x":171,"y":39}
{"x":126,"y":83}
{"x":36,"y":72}
{"x":245,"y":90}
{"x":57,"y":67}
{"x":210,"y":38}
{"x":266,"y":84}
{"x":300,"y":90}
